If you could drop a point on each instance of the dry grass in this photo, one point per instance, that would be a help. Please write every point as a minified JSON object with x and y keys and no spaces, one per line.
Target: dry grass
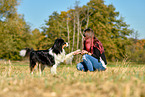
{"x":116,"y":81}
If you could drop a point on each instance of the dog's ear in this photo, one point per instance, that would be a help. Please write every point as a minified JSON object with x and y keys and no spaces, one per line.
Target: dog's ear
{"x":55,"y":46}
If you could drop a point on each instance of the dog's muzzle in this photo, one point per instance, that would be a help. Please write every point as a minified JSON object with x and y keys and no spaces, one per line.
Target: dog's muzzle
{"x":67,"y":44}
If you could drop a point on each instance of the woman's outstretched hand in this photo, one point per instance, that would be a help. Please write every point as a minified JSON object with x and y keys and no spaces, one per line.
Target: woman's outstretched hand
{"x":81,"y":52}
{"x":84,"y":52}
{"x":77,"y":52}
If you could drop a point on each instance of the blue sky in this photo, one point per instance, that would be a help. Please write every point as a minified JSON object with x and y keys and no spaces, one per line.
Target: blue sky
{"x":37,"y":11}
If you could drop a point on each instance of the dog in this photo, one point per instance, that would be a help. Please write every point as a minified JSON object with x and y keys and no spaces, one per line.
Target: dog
{"x":51,"y":57}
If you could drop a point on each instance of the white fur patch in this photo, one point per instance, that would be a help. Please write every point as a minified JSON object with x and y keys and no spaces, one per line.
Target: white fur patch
{"x":67,"y":44}
{"x":58,"y":57}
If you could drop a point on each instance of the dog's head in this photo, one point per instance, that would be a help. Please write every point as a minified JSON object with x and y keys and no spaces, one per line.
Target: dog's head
{"x":58,"y":46}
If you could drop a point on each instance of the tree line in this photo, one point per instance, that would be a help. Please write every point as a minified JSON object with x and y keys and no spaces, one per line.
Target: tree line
{"x":109,"y":27}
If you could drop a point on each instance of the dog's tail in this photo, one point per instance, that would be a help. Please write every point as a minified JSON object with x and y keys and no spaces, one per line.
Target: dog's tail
{"x":25,"y":52}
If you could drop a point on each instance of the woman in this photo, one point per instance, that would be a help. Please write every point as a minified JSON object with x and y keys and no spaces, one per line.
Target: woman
{"x":93,"y":53}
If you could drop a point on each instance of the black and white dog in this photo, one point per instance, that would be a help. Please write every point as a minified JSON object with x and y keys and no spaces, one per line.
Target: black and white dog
{"x":51,"y":57}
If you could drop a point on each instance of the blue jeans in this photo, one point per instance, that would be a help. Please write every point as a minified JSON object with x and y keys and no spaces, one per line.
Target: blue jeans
{"x":90,"y":63}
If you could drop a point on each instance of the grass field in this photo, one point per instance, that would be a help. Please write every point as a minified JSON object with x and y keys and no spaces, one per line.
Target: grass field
{"x":119,"y":80}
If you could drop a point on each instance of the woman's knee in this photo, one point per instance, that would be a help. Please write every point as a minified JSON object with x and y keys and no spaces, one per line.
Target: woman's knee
{"x":80,"y":66}
{"x":85,"y":56}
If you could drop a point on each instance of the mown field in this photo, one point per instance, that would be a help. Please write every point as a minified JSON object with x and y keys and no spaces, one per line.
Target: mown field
{"x":119,"y":80}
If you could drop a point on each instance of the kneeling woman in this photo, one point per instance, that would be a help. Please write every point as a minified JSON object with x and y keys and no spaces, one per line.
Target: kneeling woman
{"x":93,"y":53}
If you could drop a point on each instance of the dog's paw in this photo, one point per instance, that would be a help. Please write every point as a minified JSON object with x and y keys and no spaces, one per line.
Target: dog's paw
{"x":77,"y":52}
{"x":53,"y":71}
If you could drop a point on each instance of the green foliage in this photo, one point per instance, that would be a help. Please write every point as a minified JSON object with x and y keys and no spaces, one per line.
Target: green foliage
{"x":8,"y":8}
{"x":37,"y":40}
{"x":14,"y":32}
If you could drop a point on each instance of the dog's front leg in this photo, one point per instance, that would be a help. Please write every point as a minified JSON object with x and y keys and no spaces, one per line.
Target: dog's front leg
{"x":53,"y":69}
{"x":69,"y":57}
{"x":39,"y":68}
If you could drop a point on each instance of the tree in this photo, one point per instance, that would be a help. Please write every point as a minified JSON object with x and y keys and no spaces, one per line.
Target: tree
{"x":136,"y":50}
{"x":110,"y":30}
{"x":37,"y":40}
{"x":7,"y":8}
{"x":14,"y":31}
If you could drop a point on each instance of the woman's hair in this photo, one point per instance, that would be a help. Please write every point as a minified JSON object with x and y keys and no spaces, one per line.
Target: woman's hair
{"x":89,"y":33}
